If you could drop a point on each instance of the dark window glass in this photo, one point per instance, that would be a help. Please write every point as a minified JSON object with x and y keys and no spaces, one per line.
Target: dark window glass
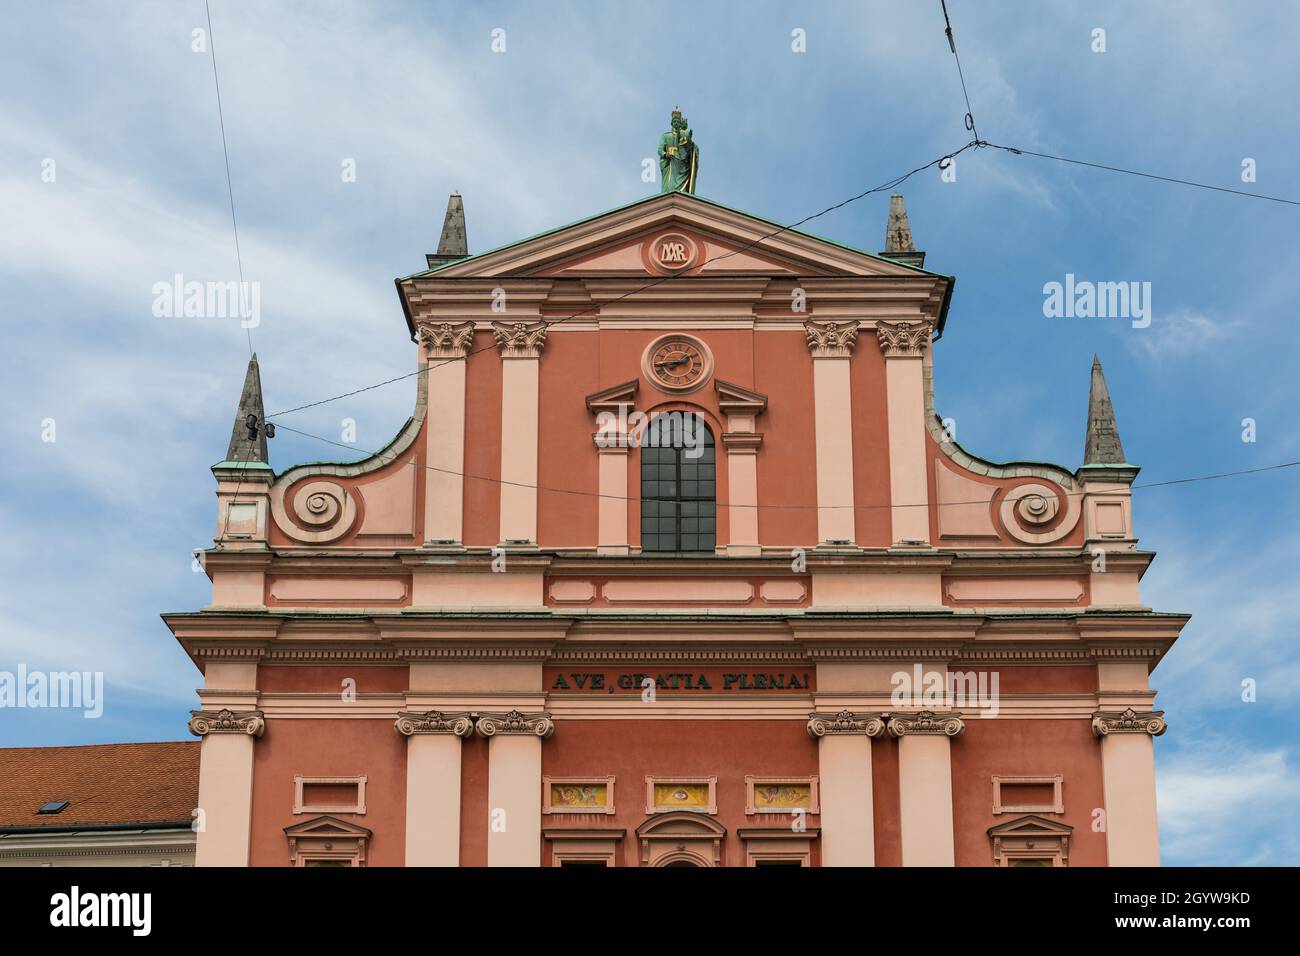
{"x":678,"y":485}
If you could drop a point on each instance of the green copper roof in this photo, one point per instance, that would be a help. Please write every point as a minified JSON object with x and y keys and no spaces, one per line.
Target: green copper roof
{"x":653,"y":198}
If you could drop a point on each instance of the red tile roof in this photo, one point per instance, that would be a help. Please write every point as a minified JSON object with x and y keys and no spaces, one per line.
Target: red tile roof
{"x":106,"y":783}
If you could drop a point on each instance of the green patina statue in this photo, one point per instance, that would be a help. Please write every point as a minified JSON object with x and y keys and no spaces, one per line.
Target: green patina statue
{"x":679,"y":158}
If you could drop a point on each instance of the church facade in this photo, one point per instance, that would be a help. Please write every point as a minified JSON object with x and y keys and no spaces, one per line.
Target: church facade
{"x":675,"y":563}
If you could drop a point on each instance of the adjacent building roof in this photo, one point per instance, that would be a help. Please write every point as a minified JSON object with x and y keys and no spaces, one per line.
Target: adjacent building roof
{"x":143,"y":784}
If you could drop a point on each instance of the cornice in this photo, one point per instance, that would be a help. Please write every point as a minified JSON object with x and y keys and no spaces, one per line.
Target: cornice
{"x":926,"y":723}
{"x":846,"y":722}
{"x":248,"y":722}
{"x":434,"y":722}
{"x":1129,"y":721}
{"x":515,"y":723}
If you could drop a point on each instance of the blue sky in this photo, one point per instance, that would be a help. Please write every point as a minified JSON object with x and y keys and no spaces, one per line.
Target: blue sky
{"x":98,"y":525}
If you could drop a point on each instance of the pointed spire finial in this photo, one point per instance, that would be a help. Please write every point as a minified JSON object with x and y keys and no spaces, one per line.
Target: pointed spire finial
{"x":453,"y":244}
{"x":898,"y":235}
{"x":453,"y":241}
{"x":1101,"y":446}
{"x":248,"y":441}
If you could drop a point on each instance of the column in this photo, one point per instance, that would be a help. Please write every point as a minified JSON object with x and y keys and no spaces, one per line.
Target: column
{"x":831,"y":344}
{"x":1128,"y":767}
{"x":515,"y":785}
{"x":844,"y":774}
{"x":520,"y":344}
{"x":742,"y":442}
{"x":445,"y":346}
{"x":225,"y":784}
{"x":611,"y":521}
{"x":925,"y":785}
{"x":903,"y":345}
{"x":433,"y":785}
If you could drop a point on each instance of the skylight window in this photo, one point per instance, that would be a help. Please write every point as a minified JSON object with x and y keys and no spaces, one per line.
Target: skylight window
{"x":55,"y":806}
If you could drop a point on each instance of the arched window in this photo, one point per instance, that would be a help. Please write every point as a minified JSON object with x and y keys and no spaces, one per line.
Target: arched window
{"x":678,"y":484}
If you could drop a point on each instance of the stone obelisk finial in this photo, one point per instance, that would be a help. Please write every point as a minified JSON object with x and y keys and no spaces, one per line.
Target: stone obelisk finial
{"x":453,"y":244}
{"x":899,"y":245}
{"x":248,"y":441}
{"x":1101,"y":445}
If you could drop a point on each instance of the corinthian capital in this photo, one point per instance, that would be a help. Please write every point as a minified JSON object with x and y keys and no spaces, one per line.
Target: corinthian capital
{"x":204,"y":722}
{"x":446,"y":339}
{"x":845,"y":722}
{"x":903,"y":338}
{"x":536,"y":725}
{"x":926,"y":722}
{"x":434,"y":722}
{"x":1129,"y":721}
{"x":831,"y":339}
{"x":520,"y":339}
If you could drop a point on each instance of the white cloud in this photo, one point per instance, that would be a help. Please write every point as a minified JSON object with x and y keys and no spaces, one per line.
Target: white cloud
{"x":1228,"y":803}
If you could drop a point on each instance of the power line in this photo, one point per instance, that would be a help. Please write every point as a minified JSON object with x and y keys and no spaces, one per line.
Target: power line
{"x":952,"y":45}
{"x":548,"y":323}
{"x":225,"y":152}
{"x":975,"y":143}
{"x":776,"y":507}
{"x":234,"y":223}
{"x":1133,"y":172}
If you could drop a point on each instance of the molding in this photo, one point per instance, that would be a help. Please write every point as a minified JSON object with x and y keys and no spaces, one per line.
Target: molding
{"x":204,"y":722}
{"x":410,"y":724}
{"x":903,"y":339}
{"x":520,"y":339}
{"x":446,"y":340}
{"x":1129,"y":721}
{"x":926,"y":723}
{"x":831,"y":339}
{"x":515,"y":722}
{"x":846,"y":722}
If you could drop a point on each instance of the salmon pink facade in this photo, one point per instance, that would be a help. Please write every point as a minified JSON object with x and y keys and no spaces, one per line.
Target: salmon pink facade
{"x":675,"y":563}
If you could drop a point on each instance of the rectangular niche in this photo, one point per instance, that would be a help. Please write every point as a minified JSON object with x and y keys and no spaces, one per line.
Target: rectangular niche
{"x":695,"y":794}
{"x":781,"y":794}
{"x":329,"y":794}
{"x":1040,"y":794}
{"x":578,"y":795}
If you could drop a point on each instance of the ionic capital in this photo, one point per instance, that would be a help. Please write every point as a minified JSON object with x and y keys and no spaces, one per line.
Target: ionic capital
{"x":926,"y":723}
{"x":903,"y":338}
{"x":1129,"y":721}
{"x":446,"y":339}
{"x":845,"y":722}
{"x":204,"y":722}
{"x":434,"y":722}
{"x":831,"y":339}
{"x":535,"y":725}
{"x":520,"y":339}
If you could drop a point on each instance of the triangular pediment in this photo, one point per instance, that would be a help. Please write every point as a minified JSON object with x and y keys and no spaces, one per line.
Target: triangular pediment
{"x":326,"y":826}
{"x":1031,"y":825}
{"x":674,"y":234}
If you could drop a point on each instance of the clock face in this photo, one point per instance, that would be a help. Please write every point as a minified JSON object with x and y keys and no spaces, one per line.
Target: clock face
{"x":678,"y":363}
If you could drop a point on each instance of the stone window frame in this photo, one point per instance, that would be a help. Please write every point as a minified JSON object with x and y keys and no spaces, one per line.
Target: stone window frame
{"x":753,"y":780}
{"x":778,"y":844}
{"x":606,"y":781}
{"x":1056,"y":780}
{"x":300,"y":806}
{"x":584,"y":844}
{"x":1031,"y":837}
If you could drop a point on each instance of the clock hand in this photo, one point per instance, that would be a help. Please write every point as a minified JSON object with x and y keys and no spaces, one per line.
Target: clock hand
{"x":684,"y":358}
